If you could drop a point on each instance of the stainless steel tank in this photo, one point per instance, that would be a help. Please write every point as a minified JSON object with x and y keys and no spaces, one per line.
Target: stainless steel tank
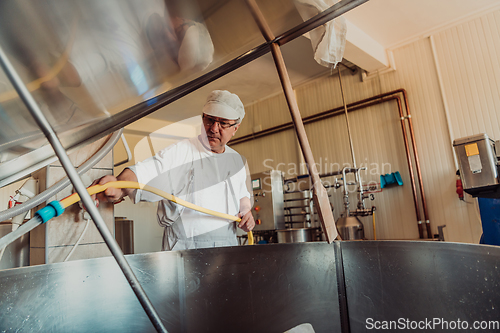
{"x":350,"y":228}
{"x":262,"y":288}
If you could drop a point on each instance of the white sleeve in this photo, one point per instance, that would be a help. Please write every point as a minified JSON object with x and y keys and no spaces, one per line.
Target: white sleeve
{"x":151,"y":171}
{"x":244,"y":183}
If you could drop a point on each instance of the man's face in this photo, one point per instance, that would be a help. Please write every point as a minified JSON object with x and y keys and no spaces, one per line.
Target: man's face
{"x":219,"y":131}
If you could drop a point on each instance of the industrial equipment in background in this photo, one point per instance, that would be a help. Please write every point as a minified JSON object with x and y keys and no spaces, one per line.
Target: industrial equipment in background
{"x":283,"y":214}
{"x":267,"y":211}
{"x":284,"y":211}
{"x":349,"y":225}
{"x":479,"y":165}
{"x":479,"y":168}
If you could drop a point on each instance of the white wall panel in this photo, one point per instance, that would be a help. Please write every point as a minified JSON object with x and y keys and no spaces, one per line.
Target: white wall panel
{"x":469,"y":60}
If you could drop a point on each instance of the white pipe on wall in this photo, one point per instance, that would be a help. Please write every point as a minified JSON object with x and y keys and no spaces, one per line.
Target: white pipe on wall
{"x":445,"y":101}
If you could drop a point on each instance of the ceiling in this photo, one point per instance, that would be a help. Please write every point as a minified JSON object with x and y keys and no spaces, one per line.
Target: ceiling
{"x":384,"y":23}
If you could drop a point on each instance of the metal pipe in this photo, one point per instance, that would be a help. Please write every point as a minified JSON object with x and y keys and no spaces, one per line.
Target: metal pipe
{"x":347,"y":121}
{"x":151,"y":105}
{"x":70,"y":170}
{"x":417,"y":165}
{"x":346,"y":193}
{"x":410,"y":167}
{"x":320,"y":198}
{"x":334,"y":11}
{"x":361,"y":198}
{"x":371,"y":101}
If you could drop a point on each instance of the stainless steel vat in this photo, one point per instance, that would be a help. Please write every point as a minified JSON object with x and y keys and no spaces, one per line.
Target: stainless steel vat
{"x":350,"y":228}
{"x":261,"y":288}
{"x":296,"y":235}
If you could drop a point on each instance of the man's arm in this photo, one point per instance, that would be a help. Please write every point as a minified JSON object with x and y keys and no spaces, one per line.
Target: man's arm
{"x":115,"y":194}
{"x":247,"y":223}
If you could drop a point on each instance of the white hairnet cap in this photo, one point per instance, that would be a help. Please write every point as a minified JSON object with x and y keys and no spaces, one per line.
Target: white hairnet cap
{"x":196,"y":50}
{"x":223,"y":104}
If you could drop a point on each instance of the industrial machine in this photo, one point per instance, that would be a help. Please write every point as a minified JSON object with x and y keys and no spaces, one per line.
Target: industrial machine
{"x":479,"y":162}
{"x":283,"y":214}
{"x":267,"y":210}
{"x":479,"y":166}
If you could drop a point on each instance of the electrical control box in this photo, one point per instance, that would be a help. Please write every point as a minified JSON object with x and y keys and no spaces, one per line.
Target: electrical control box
{"x":268,"y":211}
{"x":479,"y":165}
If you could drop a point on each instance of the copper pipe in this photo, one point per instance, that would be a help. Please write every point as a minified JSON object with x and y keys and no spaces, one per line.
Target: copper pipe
{"x":410,"y":167}
{"x":320,"y":197}
{"x":417,"y":164}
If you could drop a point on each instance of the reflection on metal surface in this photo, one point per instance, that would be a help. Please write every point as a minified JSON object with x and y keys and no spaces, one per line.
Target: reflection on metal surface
{"x":84,"y":61}
{"x":421,"y":280}
{"x":266,"y":288}
{"x":123,"y":57}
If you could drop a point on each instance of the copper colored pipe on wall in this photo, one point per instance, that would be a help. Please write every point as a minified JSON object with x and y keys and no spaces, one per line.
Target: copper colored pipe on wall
{"x":417,"y":163}
{"x":375,"y":100}
{"x":410,"y":166}
{"x":320,"y":197}
{"x":415,"y":152}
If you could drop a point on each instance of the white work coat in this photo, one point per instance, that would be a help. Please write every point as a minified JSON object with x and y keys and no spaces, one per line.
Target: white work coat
{"x":191,"y":172}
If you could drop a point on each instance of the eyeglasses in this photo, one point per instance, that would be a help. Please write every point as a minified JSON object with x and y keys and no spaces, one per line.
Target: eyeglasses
{"x":209,"y":121}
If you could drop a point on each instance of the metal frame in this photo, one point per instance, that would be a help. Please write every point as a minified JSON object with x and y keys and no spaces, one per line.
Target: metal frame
{"x":143,"y":109}
{"x":264,"y":288}
{"x":70,"y":170}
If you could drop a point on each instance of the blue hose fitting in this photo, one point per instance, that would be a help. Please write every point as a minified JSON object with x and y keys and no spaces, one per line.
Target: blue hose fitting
{"x":53,"y":209}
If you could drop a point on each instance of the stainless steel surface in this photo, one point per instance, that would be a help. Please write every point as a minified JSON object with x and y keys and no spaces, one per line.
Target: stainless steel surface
{"x":388,"y":280}
{"x":124,"y":234}
{"x":60,"y":185}
{"x":17,"y":254}
{"x":296,"y":235}
{"x":269,"y":288}
{"x":80,"y":188}
{"x":95,"y":67}
{"x":268,"y":200}
{"x":350,"y":228}
{"x":478,"y":164}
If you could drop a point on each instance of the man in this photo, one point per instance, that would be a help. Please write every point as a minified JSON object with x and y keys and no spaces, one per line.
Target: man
{"x":202,"y":170}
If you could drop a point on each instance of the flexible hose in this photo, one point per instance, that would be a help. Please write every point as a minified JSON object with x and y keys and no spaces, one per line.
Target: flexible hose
{"x":74,"y":198}
{"x":68,"y":201}
{"x":60,"y":185}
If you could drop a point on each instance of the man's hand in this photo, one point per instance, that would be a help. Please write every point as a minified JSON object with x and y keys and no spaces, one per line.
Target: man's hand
{"x":247,"y":223}
{"x":111,"y":194}
{"x":115,"y":194}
